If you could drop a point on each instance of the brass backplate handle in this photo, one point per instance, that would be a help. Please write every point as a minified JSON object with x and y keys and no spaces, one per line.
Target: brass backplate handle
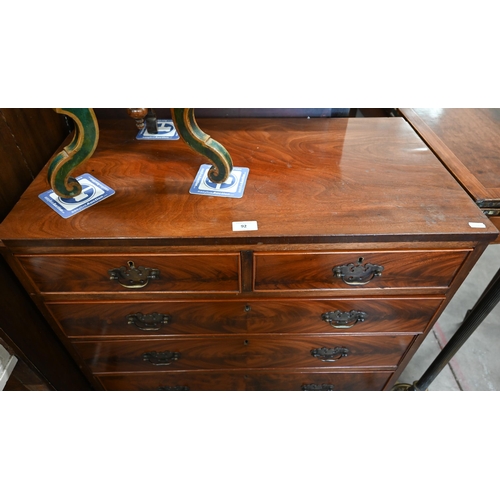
{"x":344,"y":319}
{"x":330,"y":355}
{"x":317,"y":387}
{"x":148,"y":322}
{"x":357,"y":274}
{"x":133,"y":277}
{"x":161,"y":358}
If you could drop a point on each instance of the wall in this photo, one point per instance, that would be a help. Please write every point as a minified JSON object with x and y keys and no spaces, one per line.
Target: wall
{"x":28,"y":138}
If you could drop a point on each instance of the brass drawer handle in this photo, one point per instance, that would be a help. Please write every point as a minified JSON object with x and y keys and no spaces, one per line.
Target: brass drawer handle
{"x":344,"y":319}
{"x":317,"y":387}
{"x":357,"y":274}
{"x":148,"y":322}
{"x":161,"y":358}
{"x":133,"y":277}
{"x":330,"y":355}
{"x":173,"y":388}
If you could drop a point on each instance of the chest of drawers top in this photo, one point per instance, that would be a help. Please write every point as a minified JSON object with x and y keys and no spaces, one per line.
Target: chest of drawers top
{"x":311,"y":182}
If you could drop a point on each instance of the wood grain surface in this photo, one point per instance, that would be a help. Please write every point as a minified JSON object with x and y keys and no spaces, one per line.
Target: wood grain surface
{"x":101,"y":319}
{"x":468,"y":143}
{"x":313,"y":271}
{"x":207,"y":272}
{"x":239,"y":352}
{"x":277,"y":380}
{"x":310,"y":181}
{"x":320,"y":190}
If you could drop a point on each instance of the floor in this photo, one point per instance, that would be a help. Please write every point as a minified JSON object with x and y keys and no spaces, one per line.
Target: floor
{"x":476,"y":366}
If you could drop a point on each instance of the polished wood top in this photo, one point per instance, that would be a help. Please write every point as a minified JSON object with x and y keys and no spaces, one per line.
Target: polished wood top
{"x":311,"y":181}
{"x":468,"y":143}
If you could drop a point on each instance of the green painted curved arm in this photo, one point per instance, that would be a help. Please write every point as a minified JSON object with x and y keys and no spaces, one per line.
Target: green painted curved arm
{"x":80,"y":149}
{"x":202,"y":143}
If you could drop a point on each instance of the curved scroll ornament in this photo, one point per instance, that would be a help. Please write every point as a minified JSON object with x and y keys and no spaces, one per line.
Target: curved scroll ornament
{"x":202,"y":143}
{"x":81,"y":148}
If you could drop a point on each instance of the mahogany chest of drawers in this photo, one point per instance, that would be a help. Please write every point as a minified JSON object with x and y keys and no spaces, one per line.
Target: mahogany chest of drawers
{"x":362,"y":238}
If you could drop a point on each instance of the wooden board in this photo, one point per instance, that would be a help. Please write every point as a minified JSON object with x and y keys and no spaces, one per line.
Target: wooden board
{"x":468,"y":143}
{"x":312,"y":181}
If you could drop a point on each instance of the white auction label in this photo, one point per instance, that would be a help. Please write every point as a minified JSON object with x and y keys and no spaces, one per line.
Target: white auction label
{"x":477,"y":224}
{"x":250,"y":225}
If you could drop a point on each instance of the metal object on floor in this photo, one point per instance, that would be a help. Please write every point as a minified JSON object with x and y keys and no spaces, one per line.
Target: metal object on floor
{"x":474,"y":318}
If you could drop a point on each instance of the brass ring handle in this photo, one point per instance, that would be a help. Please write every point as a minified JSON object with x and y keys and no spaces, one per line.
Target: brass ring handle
{"x":343,"y":319}
{"x":148,"y":322}
{"x":161,"y":358}
{"x":133,"y":277}
{"x":330,"y":355}
{"x":357,"y":274}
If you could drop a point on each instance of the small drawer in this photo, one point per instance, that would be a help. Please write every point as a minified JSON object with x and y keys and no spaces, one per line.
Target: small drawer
{"x":339,"y":270}
{"x":327,"y":352}
{"x":277,"y":380}
{"x":331,"y":316}
{"x":132,"y":273}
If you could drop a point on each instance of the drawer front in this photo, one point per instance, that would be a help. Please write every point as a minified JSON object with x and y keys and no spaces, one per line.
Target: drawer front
{"x":133,"y":273}
{"x":99,"y":319}
{"x":325,"y":352}
{"x":277,"y":380}
{"x":328,"y":271}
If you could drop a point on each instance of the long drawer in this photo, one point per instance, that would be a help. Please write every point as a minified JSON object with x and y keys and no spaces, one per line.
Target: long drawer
{"x":280,"y":271}
{"x":277,"y":380}
{"x":125,"y":273}
{"x":100,"y":319}
{"x":324,"y":352}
